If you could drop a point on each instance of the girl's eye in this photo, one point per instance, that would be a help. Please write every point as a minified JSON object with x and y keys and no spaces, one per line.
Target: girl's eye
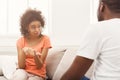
{"x":39,"y":26}
{"x":33,"y":27}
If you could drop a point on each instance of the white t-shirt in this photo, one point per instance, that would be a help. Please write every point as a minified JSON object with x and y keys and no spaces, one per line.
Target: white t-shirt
{"x":102,"y":43}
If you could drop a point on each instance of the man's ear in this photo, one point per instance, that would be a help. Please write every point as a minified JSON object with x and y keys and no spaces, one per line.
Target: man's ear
{"x":102,"y":7}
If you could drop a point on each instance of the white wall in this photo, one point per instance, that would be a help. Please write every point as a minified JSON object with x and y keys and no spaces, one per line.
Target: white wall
{"x":69,"y":20}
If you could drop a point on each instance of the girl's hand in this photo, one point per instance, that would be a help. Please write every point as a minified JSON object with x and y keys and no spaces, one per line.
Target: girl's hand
{"x":25,"y":49}
{"x":28,"y":51}
{"x":37,"y":54}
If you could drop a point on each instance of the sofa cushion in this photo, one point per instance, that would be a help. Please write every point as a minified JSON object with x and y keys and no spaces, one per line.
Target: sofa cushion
{"x":1,"y":73}
{"x":64,"y":64}
{"x":53,"y":59}
{"x":3,"y":78}
{"x":9,"y":65}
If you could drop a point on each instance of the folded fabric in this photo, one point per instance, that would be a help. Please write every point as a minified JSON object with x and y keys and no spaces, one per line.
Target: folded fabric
{"x":9,"y":65}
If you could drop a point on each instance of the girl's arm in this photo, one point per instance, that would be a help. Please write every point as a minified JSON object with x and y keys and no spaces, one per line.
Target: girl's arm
{"x":21,"y":58}
{"x":39,"y":60}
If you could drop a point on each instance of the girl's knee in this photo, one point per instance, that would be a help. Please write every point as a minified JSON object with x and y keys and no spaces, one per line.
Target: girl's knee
{"x":20,"y":74}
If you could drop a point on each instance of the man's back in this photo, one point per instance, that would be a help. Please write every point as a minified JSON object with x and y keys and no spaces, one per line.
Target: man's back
{"x":107,"y":65}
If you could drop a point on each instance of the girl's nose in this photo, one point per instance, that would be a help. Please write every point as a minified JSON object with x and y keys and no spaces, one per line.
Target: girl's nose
{"x":37,"y":29}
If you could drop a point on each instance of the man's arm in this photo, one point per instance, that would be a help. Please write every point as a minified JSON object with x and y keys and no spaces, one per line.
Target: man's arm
{"x":78,"y":68}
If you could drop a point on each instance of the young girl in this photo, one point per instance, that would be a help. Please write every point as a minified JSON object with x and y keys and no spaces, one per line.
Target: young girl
{"x":32,"y":47}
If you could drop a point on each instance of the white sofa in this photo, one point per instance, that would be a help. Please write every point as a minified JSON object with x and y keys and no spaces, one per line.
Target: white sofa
{"x":58,"y":61}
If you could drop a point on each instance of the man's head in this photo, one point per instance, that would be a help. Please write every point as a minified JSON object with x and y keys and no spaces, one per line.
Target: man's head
{"x":108,"y":9}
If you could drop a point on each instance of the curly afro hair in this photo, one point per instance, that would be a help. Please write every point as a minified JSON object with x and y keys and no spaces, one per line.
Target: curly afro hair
{"x":29,"y":16}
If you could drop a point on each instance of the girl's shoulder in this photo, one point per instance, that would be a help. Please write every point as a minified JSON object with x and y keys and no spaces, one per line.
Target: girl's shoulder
{"x":21,"y":42}
{"x":20,"y":38}
{"x":45,"y":37}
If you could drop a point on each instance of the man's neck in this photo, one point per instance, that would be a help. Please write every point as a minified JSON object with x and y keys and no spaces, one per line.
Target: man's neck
{"x":111,"y":16}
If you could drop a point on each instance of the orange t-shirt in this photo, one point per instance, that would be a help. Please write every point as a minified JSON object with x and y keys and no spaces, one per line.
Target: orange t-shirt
{"x":30,"y":63}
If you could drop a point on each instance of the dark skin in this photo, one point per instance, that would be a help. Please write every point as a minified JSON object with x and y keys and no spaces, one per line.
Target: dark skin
{"x":80,"y":64}
{"x":78,"y":68}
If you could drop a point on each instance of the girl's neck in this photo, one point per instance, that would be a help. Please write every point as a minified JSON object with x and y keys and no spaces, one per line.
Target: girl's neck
{"x":34,"y":38}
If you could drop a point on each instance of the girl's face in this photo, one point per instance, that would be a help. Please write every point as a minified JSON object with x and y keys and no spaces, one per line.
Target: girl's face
{"x":34,"y":28}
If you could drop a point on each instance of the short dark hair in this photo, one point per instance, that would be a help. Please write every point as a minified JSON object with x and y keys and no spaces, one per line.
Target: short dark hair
{"x":113,"y":5}
{"x":29,"y":16}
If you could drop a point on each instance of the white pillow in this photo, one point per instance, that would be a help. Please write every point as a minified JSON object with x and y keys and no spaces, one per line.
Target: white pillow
{"x":9,"y":65}
{"x":64,"y":64}
{"x":52,"y":61}
{"x":1,"y":73}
